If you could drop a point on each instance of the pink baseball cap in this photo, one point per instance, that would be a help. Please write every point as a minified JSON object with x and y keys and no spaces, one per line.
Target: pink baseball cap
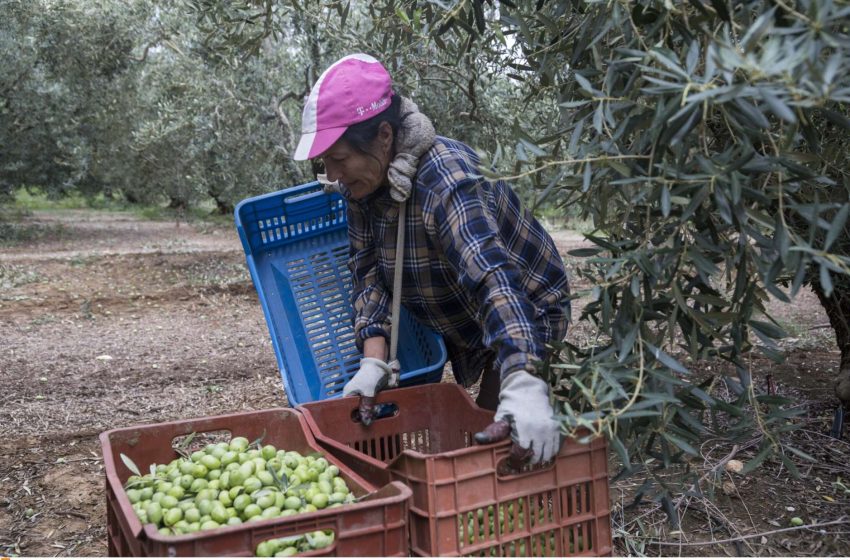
{"x":355,"y":88}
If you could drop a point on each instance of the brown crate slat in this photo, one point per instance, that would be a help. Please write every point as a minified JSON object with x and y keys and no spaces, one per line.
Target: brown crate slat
{"x":375,"y":526}
{"x":463,"y":504}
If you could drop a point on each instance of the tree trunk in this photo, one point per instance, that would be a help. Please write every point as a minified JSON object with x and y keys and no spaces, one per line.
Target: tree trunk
{"x":222,"y":206}
{"x":837,"y":306}
{"x":177,"y":203}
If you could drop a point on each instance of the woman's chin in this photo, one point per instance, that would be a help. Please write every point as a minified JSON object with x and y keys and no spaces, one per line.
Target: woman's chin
{"x":360,"y":190}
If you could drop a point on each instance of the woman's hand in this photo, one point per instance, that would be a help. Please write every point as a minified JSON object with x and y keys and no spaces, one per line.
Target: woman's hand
{"x":373,"y":376}
{"x":524,"y":406}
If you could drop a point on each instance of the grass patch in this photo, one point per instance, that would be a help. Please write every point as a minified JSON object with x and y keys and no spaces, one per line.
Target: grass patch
{"x":200,"y":215}
{"x":30,"y":199}
{"x":13,"y":276}
{"x":197,"y":214}
{"x":25,"y":201}
{"x":17,"y":233}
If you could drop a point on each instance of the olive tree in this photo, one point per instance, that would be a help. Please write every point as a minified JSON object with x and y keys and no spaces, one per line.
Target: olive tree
{"x":708,"y":143}
{"x":127,"y":99}
{"x":56,"y":71}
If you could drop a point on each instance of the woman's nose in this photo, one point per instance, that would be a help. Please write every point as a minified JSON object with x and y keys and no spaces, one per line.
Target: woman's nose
{"x":332,"y":172}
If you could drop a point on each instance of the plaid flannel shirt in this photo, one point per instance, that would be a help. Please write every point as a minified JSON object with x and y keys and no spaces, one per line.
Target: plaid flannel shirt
{"x":478,"y":268}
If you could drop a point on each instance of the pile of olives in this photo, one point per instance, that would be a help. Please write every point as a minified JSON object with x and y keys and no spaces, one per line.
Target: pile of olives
{"x":478,"y":527}
{"x":228,"y":484}
{"x":290,"y":546}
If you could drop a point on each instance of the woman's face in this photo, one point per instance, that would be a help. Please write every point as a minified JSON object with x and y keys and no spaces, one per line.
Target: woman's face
{"x":361,"y":173}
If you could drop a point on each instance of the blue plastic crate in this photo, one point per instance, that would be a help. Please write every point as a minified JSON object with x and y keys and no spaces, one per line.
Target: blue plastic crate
{"x":296,"y":245}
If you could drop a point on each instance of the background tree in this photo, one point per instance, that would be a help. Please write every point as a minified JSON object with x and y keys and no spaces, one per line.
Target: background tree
{"x":126,"y":99}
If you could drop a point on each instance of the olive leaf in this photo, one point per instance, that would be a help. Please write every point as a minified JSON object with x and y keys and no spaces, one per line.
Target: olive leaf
{"x":281,"y":481}
{"x":259,"y":441}
{"x":288,"y":541}
{"x":260,"y":493}
{"x":182,"y":447}
{"x":363,"y":497}
{"x":131,"y":465}
{"x":183,"y":453}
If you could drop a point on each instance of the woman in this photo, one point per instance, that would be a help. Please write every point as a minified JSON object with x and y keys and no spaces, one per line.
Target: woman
{"x":478,"y":268}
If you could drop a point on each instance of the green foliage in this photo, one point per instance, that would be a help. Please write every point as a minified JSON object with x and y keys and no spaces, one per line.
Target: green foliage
{"x":125,"y":99}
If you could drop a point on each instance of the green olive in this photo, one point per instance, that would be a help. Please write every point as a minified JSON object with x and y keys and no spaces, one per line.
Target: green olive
{"x":219,"y":513}
{"x":199,"y":470}
{"x":271,"y":512}
{"x":266,"y":549}
{"x":172,"y":516}
{"x":211,"y":462}
{"x":192,"y":515}
{"x":228,"y":457}
{"x":250,"y":511}
{"x":210,"y":524}
{"x":154,"y":513}
{"x":265,"y":478}
{"x":320,"y":500}
{"x":252,"y":484}
{"x":266,"y":500}
{"x":218,"y":450}
{"x":168,"y":502}
{"x":239,"y":444}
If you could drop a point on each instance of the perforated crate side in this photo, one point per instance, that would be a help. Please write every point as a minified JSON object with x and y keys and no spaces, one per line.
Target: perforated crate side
{"x":564,"y":501}
{"x":415,"y":416}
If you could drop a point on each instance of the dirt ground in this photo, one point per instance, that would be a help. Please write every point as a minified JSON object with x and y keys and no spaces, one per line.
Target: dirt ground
{"x":108,"y":321}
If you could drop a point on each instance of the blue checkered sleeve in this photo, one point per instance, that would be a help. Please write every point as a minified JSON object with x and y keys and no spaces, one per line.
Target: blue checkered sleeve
{"x":470,"y":238}
{"x":369,"y":297}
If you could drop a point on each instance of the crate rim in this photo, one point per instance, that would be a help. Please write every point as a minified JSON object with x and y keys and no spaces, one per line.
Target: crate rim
{"x":237,"y":210}
{"x":386,"y":396}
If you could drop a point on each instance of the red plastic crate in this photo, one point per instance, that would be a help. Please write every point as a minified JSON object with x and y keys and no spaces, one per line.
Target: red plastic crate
{"x":375,"y":526}
{"x":462,"y":497}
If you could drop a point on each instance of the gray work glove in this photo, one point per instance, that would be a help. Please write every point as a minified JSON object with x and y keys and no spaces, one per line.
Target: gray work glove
{"x":374,"y":375}
{"x":524,"y":404}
